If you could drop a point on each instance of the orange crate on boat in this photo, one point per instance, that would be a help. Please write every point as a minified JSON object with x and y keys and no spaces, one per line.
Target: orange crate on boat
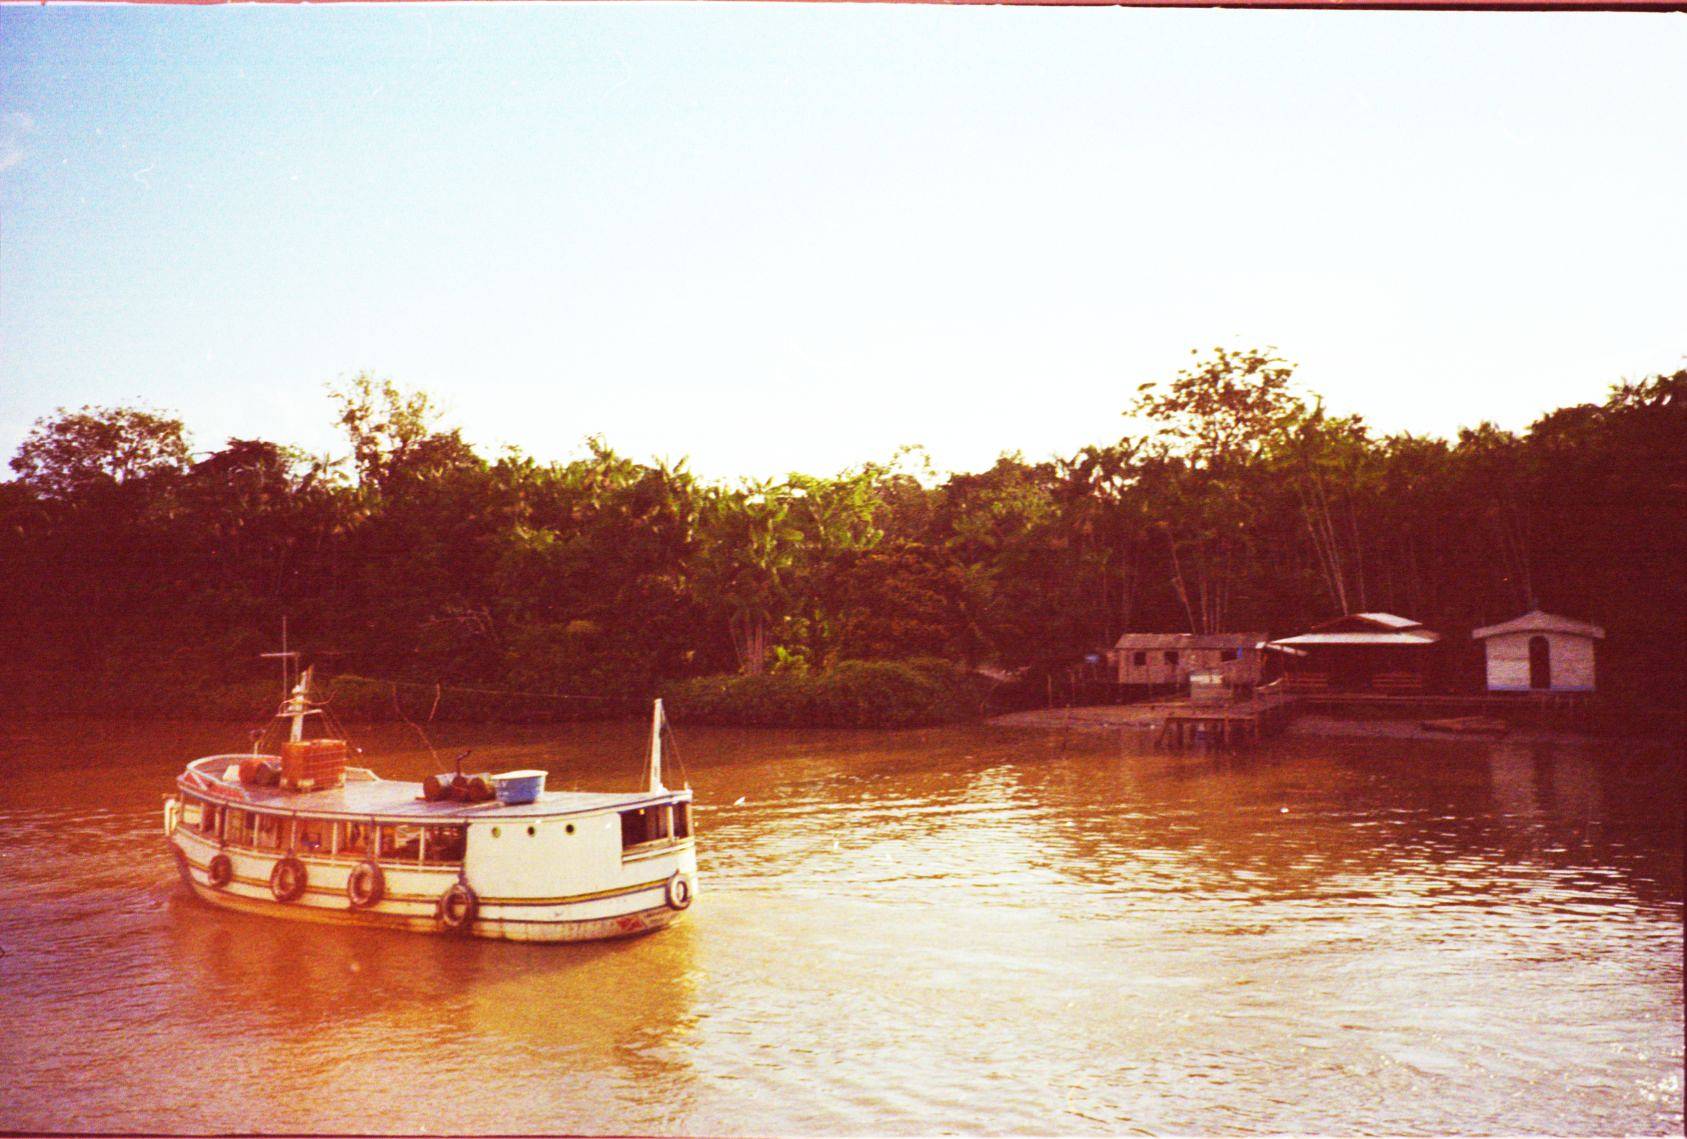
{"x":311,"y":765}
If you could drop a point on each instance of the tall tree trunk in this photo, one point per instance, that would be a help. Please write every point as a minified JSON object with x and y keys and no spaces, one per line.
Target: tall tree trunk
{"x":1178,"y":581}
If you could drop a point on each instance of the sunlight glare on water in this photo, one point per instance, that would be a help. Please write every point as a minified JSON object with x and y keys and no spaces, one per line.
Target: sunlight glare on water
{"x":970,"y":929}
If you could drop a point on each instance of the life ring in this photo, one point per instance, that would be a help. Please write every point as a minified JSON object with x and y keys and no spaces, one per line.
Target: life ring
{"x":680,"y":891}
{"x":458,"y":906}
{"x":366,"y":886}
{"x":287,"y":881}
{"x":220,"y":872}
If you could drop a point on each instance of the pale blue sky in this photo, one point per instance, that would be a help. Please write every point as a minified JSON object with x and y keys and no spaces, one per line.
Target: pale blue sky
{"x":795,"y":236}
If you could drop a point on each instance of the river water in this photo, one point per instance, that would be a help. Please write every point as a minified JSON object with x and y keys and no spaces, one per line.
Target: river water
{"x":974,"y":930}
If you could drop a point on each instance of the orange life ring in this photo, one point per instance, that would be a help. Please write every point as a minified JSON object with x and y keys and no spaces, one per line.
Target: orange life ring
{"x":288,"y":880}
{"x":680,"y":892}
{"x":458,"y":906}
{"x":220,"y":872}
{"x":366,"y":885}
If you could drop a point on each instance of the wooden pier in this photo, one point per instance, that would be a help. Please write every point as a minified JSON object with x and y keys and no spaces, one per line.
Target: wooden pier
{"x":1240,"y":724}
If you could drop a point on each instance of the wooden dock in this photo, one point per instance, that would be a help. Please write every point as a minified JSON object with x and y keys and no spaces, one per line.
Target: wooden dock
{"x":1240,"y":724}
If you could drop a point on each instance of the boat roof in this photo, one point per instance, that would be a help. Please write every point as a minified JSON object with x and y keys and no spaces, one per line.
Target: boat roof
{"x":366,"y":795}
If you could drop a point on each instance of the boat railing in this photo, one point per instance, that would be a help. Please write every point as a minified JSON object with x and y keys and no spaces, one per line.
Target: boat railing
{"x":216,"y":766}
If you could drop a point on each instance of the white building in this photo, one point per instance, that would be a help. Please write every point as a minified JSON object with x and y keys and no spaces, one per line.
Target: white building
{"x":1540,"y":652}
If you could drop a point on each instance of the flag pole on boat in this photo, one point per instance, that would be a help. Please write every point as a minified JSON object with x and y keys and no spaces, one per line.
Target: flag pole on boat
{"x":656,"y":748}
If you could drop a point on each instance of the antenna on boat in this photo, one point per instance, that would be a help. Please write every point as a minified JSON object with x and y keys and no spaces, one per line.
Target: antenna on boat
{"x":656,"y":748}
{"x":287,"y":660}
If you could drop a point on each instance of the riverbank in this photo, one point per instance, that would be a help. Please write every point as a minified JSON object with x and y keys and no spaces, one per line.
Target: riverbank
{"x":1146,"y":717}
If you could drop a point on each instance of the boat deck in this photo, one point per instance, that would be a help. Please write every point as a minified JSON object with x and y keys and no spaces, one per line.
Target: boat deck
{"x":368,"y":795}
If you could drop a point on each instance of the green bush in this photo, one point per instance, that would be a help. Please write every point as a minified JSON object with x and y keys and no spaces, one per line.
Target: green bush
{"x":854,"y":694}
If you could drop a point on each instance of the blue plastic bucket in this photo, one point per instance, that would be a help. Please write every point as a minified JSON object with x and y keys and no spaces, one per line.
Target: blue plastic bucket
{"x":516,"y":787}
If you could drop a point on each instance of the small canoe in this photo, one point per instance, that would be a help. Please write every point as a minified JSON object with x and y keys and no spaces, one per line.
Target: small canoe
{"x":1468,"y":726}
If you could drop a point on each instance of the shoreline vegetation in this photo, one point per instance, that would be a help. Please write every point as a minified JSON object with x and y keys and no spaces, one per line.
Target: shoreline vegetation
{"x":144,"y":575}
{"x":854,"y":694}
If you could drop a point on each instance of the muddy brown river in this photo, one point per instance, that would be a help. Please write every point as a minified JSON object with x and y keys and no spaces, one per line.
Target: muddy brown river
{"x":973,"y":930}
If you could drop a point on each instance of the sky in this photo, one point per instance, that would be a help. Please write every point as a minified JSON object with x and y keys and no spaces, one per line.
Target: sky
{"x":797,"y":237}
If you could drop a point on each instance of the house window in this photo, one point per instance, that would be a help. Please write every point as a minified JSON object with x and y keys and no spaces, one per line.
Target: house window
{"x":1140,"y":659}
{"x":1171,"y":656}
{"x":646,"y":824}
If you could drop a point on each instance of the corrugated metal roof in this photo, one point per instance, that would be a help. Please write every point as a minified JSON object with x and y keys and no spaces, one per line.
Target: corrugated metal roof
{"x":1365,"y":622}
{"x":1403,"y":637}
{"x":1392,"y":620}
{"x":1189,"y":640}
{"x":1539,"y":621}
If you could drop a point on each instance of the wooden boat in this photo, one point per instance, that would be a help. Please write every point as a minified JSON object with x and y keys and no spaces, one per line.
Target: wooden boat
{"x":1467,"y":726}
{"x":304,"y":836}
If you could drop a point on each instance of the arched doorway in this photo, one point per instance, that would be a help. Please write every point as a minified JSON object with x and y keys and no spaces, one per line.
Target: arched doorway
{"x":1540,"y":663}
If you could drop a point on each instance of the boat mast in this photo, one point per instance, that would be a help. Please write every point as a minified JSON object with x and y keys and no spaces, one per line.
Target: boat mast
{"x":298,"y":707}
{"x":656,"y":748}
{"x":287,"y":659}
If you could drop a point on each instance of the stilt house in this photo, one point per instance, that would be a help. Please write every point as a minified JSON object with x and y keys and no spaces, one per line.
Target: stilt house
{"x":1169,"y":658}
{"x":1540,"y":652}
{"x":1362,"y":652}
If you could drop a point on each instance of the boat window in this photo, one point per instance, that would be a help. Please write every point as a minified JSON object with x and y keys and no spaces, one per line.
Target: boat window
{"x":313,"y":836}
{"x":682,"y":820}
{"x":646,"y":824}
{"x":193,"y":813}
{"x":401,"y":842}
{"x":443,"y":844}
{"x":209,"y":817}
{"x":354,"y":839}
{"x":239,"y":827}
{"x":1139,"y":659}
{"x":271,"y":832}
{"x":1171,"y":656}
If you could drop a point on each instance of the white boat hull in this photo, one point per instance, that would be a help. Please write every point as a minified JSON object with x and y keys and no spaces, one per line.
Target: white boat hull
{"x":413,"y":899}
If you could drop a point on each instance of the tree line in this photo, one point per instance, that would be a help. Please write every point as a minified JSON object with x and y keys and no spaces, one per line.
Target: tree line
{"x":138,"y":570}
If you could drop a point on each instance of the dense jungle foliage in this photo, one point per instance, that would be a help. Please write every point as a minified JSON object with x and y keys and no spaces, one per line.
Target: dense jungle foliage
{"x":141,"y":573}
